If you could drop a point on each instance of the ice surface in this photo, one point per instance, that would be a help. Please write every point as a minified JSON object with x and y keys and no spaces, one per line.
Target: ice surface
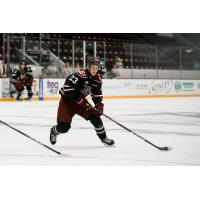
{"x":164,"y":121}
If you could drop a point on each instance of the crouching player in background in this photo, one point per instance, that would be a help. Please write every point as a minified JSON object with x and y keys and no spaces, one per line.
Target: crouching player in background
{"x":22,"y":78}
{"x":77,"y":86}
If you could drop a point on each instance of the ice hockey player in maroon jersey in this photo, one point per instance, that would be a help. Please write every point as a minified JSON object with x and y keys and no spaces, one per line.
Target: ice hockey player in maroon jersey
{"x":21,"y":78}
{"x":76,"y":87}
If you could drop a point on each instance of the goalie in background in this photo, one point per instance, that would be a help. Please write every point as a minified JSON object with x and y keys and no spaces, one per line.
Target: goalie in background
{"x":21,"y":78}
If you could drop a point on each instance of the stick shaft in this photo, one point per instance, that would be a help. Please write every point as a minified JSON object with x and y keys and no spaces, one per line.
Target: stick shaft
{"x":37,"y":141}
{"x":131,"y":131}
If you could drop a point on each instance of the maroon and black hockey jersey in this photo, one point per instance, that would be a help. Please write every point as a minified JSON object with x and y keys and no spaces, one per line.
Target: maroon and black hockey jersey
{"x":81,"y":84}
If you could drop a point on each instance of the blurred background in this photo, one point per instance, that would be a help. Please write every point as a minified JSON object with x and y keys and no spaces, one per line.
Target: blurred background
{"x":122,"y":55}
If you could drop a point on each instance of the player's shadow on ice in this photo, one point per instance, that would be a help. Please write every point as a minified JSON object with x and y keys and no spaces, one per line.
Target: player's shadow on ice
{"x":31,"y":155}
{"x":79,"y":147}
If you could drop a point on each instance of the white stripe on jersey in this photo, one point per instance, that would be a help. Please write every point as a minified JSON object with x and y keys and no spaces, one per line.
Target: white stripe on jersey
{"x":96,"y":95}
{"x":66,"y":86}
{"x":66,"y":90}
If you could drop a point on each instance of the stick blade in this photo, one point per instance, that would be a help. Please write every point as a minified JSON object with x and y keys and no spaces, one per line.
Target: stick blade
{"x":167,"y":148}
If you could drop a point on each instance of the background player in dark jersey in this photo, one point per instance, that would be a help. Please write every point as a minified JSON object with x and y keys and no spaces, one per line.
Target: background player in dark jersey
{"x":21,"y":78}
{"x":77,"y":86}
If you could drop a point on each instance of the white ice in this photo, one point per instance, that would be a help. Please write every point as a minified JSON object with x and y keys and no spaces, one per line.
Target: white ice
{"x":171,"y":122}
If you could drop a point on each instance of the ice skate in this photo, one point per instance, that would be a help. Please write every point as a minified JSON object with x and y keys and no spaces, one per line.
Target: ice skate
{"x":53,"y":137}
{"x":18,"y":97}
{"x":108,"y":142}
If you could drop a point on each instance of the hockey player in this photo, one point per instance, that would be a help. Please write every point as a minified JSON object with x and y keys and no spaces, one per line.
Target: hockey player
{"x":22,"y":77}
{"x":77,"y":86}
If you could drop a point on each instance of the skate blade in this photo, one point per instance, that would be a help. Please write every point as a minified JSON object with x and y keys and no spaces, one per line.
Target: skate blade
{"x":109,"y":146}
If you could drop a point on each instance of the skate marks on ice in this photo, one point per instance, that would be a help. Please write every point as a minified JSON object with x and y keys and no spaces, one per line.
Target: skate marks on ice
{"x":121,"y":160}
{"x":31,"y":155}
{"x":176,"y":125}
{"x":145,"y":131}
{"x":185,"y":114}
{"x":82,"y":160}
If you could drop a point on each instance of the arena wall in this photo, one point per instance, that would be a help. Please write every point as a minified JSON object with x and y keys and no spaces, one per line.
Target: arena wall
{"x":48,"y":89}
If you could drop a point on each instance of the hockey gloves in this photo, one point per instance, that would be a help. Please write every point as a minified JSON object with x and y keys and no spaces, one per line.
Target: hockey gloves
{"x":19,"y":86}
{"x":98,"y":109}
{"x":83,"y":103}
{"x":28,"y":80}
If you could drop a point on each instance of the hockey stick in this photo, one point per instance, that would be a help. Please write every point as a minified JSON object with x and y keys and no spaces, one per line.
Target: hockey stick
{"x":160,"y":148}
{"x":44,"y":145}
